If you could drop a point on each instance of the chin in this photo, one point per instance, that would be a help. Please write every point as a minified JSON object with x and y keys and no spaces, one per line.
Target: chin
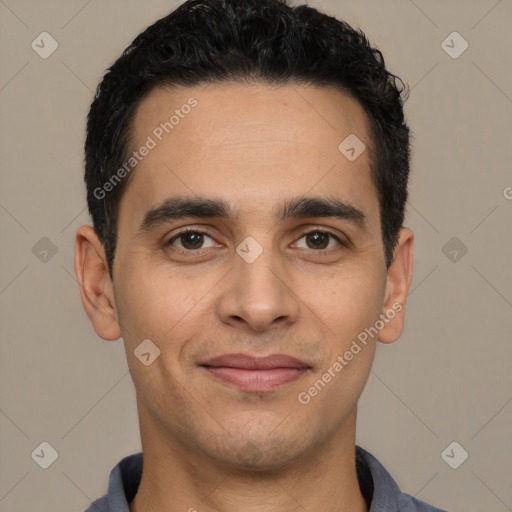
{"x":261,"y":453}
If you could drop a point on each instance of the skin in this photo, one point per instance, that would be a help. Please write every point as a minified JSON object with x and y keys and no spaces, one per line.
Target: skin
{"x":207,"y":444}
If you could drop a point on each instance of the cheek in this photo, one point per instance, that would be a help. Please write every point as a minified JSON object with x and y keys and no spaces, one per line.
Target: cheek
{"x":148,"y":293}
{"x":348,"y":301}
{"x":348,"y":307}
{"x":153,"y":306}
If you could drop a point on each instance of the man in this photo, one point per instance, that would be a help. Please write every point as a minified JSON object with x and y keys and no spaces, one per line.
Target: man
{"x":246,"y":171}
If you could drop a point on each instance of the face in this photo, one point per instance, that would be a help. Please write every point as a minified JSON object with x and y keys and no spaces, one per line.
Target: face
{"x":245,"y":232}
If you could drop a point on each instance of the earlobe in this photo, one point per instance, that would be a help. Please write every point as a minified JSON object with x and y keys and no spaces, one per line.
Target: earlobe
{"x":96,"y":288}
{"x":397,"y":288}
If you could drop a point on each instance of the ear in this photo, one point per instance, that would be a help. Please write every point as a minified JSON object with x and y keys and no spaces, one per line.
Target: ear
{"x":96,"y":287}
{"x":397,"y":288}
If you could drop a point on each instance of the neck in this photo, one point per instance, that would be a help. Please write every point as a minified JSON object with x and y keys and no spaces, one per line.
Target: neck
{"x":176,"y":479}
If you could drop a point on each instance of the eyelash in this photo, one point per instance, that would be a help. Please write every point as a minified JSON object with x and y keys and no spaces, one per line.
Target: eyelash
{"x":199,"y":232}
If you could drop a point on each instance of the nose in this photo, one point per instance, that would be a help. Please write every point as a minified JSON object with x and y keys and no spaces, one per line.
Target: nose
{"x":258,"y":295}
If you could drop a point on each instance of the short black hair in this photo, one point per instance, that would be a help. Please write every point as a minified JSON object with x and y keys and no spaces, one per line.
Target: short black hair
{"x":247,"y":41}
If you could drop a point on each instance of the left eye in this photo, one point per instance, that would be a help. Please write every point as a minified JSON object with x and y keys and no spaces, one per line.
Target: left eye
{"x":318,"y":240}
{"x":191,"y":240}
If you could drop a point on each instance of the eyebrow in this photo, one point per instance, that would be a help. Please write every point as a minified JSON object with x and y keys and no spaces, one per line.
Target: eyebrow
{"x":180,"y":207}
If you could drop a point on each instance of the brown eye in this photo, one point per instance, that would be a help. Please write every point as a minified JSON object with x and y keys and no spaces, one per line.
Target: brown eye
{"x":190,"y":240}
{"x":319,"y":240}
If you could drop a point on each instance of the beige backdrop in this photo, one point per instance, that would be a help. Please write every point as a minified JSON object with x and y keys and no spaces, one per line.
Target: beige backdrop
{"x":447,"y":380}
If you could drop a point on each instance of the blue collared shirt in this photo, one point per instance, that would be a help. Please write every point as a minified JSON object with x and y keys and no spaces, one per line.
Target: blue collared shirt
{"x":381,"y":492}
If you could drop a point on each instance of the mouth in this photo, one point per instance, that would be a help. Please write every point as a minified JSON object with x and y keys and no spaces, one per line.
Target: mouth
{"x":256,"y":374}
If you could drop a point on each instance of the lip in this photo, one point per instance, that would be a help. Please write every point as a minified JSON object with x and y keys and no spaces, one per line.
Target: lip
{"x":248,"y":362}
{"x":251,"y":373}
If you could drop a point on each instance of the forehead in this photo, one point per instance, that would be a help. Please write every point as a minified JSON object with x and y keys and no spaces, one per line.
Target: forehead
{"x":249,"y":144}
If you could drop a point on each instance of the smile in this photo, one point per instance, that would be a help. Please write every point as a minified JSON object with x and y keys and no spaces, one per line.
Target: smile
{"x":256,"y":374}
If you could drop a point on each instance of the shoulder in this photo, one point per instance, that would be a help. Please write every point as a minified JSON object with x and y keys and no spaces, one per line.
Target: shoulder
{"x":384,"y":491}
{"x":99,"y":505}
{"x":409,"y":503}
{"x":124,"y":481}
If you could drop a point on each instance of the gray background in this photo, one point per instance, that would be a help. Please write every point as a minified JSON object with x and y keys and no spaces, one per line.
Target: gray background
{"x":448,"y":379}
